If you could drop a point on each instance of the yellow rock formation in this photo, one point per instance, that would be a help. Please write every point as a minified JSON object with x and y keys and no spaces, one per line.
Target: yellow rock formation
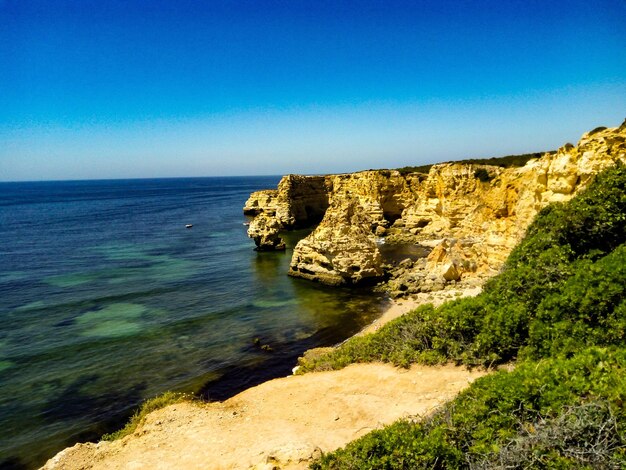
{"x":475,"y":213}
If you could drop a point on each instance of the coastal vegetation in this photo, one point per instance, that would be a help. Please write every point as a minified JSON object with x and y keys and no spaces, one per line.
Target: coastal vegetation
{"x":557,"y":315}
{"x":147,"y":407}
{"x":509,"y":161}
{"x":554,"y":413}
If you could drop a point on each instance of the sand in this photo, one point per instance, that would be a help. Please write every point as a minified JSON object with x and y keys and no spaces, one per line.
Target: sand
{"x":282,"y":423}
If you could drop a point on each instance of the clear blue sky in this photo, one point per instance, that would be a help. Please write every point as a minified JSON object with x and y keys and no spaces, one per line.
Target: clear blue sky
{"x":114,"y":89}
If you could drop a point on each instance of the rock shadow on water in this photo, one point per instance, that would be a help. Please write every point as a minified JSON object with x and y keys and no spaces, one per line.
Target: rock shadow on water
{"x":13,"y":463}
{"x":268,"y":265}
{"x":237,"y":378}
{"x":74,"y":402}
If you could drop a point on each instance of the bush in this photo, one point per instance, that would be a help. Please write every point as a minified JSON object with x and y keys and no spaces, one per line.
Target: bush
{"x":415,"y":169}
{"x":589,"y":309}
{"x":509,"y":161}
{"x":597,"y":129}
{"x":586,"y":434}
{"x":482,"y":175}
{"x":544,"y":412}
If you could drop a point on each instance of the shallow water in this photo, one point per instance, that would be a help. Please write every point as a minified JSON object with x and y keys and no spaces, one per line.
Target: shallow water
{"x":106,"y":299}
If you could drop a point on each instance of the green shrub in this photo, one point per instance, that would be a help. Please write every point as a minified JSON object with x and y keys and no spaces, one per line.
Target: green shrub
{"x":509,"y":161}
{"x":415,"y":169}
{"x":589,"y":309}
{"x":597,"y":129}
{"x":483,"y":175}
{"x":512,"y":413}
{"x":581,"y":435}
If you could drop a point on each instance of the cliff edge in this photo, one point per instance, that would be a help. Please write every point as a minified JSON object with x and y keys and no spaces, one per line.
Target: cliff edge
{"x":283,"y":423}
{"x":468,"y":216}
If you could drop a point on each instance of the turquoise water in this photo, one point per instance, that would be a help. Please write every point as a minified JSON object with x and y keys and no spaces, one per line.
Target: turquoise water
{"x":106,"y":299}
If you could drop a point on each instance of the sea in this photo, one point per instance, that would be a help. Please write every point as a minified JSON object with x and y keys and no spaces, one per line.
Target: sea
{"x":107,"y":299}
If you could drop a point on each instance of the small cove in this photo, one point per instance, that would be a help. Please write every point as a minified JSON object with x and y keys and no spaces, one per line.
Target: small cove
{"x":107,"y":300}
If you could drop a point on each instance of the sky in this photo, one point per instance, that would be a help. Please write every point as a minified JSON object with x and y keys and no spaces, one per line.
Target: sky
{"x":151,"y":88}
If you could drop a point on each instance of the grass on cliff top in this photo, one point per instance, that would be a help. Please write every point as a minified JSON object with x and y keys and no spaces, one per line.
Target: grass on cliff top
{"x":509,"y":161}
{"x":559,"y":310}
{"x":153,"y":404}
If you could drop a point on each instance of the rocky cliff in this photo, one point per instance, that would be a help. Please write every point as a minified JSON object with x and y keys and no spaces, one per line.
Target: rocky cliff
{"x":471,"y":216}
{"x":299,"y":201}
{"x":341,"y":250}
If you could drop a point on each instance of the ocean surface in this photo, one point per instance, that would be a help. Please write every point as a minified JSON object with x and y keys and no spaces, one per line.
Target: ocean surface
{"x":106,"y":299}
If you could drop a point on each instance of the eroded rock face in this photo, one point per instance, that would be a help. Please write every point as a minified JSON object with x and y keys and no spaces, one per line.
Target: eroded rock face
{"x":341,"y":250}
{"x":264,"y":230}
{"x":299,"y":201}
{"x":383,"y":194}
{"x":487,"y":218}
{"x":261,"y":201}
{"x":303,"y":200}
{"x":472,"y":215}
{"x":448,"y":263}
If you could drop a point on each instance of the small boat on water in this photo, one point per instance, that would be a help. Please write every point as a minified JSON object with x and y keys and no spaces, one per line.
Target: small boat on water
{"x":188,"y":225}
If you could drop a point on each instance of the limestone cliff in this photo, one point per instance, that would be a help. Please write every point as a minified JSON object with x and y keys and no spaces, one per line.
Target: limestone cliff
{"x":471,"y":215}
{"x":299,"y":201}
{"x":342,"y":250}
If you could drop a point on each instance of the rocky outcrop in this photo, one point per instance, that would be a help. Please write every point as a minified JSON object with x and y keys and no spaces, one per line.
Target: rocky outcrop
{"x":299,"y":201}
{"x":341,"y":250}
{"x":480,"y":219}
{"x":446,"y":265}
{"x":265,"y":201}
{"x":264,"y":230}
{"x":471,"y":215}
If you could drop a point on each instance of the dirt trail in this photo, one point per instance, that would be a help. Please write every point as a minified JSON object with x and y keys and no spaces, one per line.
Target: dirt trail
{"x":282,"y":423}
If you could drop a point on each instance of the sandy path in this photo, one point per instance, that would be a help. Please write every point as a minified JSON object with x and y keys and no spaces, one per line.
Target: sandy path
{"x":279,"y":424}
